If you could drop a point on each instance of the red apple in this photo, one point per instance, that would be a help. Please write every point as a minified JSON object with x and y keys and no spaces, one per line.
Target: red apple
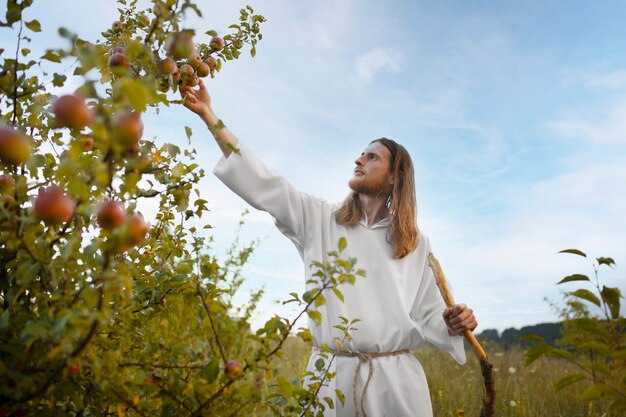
{"x":203,"y":70}
{"x":233,"y":370}
{"x":119,"y":64}
{"x":127,"y":129}
{"x":135,"y":230}
{"x":53,"y":206}
{"x":71,"y":111}
{"x":74,"y":368}
{"x":187,"y":70}
{"x":217,"y":43}
{"x":86,"y":142}
{"x":14,"y":146}
{"x":212,"y":63}
{"x":195,"y":59}
{"x":110,"y":215}
{"x":150,"y":379}
{"x":167,"y":66}
{"x":5,"y":181}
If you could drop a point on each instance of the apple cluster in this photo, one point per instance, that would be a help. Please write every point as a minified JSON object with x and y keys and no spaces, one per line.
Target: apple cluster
{"x":52,"y":205}
{"x":128,"y":230}
{"x":183,"y":64}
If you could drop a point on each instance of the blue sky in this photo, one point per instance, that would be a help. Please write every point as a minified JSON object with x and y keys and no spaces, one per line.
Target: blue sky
{"x":514,"y":113}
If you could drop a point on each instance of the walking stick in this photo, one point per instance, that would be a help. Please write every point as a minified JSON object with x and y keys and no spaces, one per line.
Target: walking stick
{"x":489,"y":381}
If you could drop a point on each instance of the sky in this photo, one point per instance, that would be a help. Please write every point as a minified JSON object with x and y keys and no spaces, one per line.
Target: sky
{"x":514,"y":114}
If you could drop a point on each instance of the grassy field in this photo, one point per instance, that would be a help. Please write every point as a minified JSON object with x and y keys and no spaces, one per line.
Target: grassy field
{"x":457,"y":390}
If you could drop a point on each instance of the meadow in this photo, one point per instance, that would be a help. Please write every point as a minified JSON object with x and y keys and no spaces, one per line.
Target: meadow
{"x":456,"y":390}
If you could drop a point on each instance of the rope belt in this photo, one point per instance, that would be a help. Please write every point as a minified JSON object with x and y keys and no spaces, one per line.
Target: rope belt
{"x":365,"y":357}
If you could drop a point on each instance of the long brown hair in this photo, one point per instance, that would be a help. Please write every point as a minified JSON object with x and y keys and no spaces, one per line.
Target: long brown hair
{"x":401,"y":203}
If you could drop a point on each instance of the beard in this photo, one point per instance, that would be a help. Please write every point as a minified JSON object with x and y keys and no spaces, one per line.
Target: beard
{"x":369,"y":186}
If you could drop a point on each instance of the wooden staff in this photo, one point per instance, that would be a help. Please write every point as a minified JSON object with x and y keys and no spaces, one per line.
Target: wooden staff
{"x":489,"y":379}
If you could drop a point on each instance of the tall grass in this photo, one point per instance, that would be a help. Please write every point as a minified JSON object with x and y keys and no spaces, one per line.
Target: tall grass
{"x":456,"y":390}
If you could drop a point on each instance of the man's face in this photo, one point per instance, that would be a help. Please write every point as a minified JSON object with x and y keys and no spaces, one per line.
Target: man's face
{"x":372,"y":175}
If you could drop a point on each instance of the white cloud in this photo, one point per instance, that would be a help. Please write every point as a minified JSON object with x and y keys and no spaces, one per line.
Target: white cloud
{"x":370,"y":63}
{"x":615,"y":80}
{"x":608,"y":128}
{"x":505,"y":265}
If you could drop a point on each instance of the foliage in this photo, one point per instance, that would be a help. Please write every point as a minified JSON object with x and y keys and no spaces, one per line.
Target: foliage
{"x":105,"y":315}
{"x":593,"y":341}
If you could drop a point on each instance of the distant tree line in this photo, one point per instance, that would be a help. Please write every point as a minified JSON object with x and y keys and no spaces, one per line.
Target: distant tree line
{"x":551,"y":332}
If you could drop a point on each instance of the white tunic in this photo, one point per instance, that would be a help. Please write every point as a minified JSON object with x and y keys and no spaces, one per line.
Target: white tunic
{"x":397,"y":301}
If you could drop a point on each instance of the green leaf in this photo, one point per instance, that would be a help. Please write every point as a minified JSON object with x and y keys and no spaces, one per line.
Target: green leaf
{"x":586,"y":295}
{"x":342,"y":243}
{"x":51,"y":56}
{"x":568,"y":380}
{"x":574,"y":252}
{"x":34,"y":25}
{"x":563,"y":353}
{"x":320,"y":300}
{"x":253,"y":52}
{"x":599,"y":368}
{"x":535,"y":352}
{"x":188,"y":133}
{"x":285,"y":386}
{"x":340,"y":396}
{"x":58,"y":80}
{"x":338,"y":293}
{"x":605,"y":261}
{"x":330,"y":402}
{"x":211,"y":33}
{"x":595,"y":392}
{"x":34,"y":162}
{"x":319,"y":364}
{"x":599,"y":347}
{"x":531,"y":337}
{"x":305,"y":335}
{"x":316,"y":316}
{"x":171,"y":149}
{"x":611,"y":296}
{"x":575,"y":277}
{"x":136,"y":92}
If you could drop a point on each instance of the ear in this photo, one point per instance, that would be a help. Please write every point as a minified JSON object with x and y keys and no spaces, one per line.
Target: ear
{"x":391,"y":179}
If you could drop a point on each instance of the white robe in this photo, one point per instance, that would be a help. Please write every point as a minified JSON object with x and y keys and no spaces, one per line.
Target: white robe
{"x":397,"y":301}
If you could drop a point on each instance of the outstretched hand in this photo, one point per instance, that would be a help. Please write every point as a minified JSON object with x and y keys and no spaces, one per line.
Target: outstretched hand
{"x":459,"y":319}
{"x":198,"y":101}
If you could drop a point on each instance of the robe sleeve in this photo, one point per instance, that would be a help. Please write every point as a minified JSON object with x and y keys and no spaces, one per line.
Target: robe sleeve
{"x":427,"y":310}
{"x":248,"y":177}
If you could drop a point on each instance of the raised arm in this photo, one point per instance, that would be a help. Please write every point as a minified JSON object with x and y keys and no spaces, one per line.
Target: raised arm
{"x":246,"y":175}
{"x":199,"y":102}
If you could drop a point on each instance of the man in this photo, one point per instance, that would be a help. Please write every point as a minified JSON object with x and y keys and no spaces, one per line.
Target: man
{"x":398,"y":303}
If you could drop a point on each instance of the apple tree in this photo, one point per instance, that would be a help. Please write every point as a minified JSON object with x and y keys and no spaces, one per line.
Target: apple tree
{"x":103,"y":311}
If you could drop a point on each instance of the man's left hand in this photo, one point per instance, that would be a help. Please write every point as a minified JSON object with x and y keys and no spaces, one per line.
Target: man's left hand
{"x":459,"y":319}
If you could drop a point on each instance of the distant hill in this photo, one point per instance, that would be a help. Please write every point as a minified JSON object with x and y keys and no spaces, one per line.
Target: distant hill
{"x":549,"y":331}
